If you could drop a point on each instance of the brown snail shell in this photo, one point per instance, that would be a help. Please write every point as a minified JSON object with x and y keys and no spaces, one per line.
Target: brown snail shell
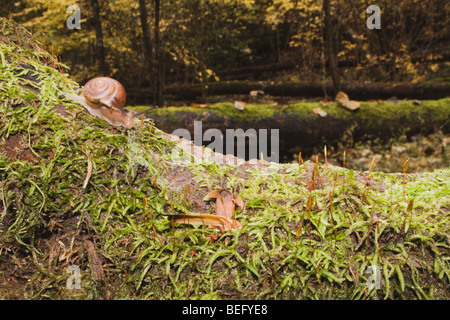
{"x":105,"y":91}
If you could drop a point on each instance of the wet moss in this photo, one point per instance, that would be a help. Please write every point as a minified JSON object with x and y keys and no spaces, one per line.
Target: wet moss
{"x":377,"y":112}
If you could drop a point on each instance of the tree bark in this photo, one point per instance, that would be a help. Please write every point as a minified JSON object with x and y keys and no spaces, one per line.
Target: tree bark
{"x":159,"y":85}
{"x":328,"y":44}
{"x":146,"y":38}
{"x":100,"y":47}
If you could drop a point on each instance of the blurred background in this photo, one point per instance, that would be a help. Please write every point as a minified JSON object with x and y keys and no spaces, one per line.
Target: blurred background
{"x":152,"y":46}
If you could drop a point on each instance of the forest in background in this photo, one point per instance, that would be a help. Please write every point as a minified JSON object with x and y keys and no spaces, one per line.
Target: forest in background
{"x":152,"y":45}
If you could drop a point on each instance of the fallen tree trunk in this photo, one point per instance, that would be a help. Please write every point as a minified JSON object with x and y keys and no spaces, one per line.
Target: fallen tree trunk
{"x":300,"y":129}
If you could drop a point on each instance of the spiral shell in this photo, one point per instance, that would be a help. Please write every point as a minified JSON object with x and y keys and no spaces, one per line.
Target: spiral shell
{"x":105,"y":91}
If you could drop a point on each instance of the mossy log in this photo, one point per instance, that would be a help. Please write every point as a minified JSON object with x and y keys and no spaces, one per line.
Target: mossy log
{"x":302,"y":130}
{"x":78,"y":193}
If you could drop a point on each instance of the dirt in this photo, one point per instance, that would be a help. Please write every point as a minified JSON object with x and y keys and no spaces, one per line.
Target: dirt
{"x":182,"y":180}
{"x":15,"y":147}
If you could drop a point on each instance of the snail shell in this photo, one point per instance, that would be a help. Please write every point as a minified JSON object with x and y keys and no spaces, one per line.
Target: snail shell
{"x":105,"y":90}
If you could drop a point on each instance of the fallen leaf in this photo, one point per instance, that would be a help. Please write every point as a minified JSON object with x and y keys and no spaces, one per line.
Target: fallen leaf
{"x":213,"y":237}
{"x":203,"y":105}
{"x":324,"y":102}
{"x":212,"y":195}
{"x":255,"y":93}
{"x":240,"y":105}
{"x":225,"y":204}
{"x":239,"y":202}
{"x":351,"y":105}
{"x":342,"y":97}
{"x":320,"y":112}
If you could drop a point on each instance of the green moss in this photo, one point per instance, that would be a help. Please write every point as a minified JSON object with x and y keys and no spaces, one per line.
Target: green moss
{"x":370,"y":113}
{"x":254,"y":112}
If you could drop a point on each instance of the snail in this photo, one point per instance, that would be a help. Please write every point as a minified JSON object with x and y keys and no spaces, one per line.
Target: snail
{"x":105,"y":98}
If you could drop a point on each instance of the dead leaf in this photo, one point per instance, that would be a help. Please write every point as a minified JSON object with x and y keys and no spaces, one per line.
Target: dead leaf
{"x":212,"y":195}
{"x":343,"y":98}
{"x":239,"y":202}
{"x":240,"y":105}
{"x":351,"y":105}
{"x":255,"y":93}
{"x":213,"y":237}
{"x":225,"y":204}
{"x":324,"y":102}
{"x":320,"y":112}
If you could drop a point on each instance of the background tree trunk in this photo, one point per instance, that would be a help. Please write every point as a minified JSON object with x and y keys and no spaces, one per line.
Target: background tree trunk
{"x":146,"y":38}
{"x":329,"y":51}
{"x":100,"y":48}
{"x":158,"y":85}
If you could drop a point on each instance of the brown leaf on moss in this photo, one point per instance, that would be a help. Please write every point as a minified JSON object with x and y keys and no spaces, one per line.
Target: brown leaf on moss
{"x":239,"y":202}
{"x":343,"y":98}
{"x":212,"y":195}
{"x":225,"y":202}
